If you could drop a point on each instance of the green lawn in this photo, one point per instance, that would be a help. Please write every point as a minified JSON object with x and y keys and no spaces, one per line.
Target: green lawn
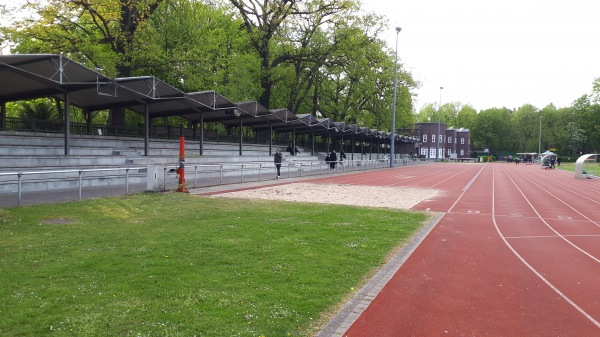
{"x":181,"y":265}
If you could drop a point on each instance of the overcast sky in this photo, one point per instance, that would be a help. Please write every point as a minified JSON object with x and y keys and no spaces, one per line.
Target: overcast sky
{"x":496,"y":53}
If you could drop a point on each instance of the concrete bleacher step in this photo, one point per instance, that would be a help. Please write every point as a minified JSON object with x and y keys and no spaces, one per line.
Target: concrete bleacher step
{"x":33,"y":152}
{"x":44,"y":152}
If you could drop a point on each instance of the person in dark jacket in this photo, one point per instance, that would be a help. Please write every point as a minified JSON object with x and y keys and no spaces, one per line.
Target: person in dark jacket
{"x":277,"y":159}
{"x":342,"y":157}
{"x":332,"y":160}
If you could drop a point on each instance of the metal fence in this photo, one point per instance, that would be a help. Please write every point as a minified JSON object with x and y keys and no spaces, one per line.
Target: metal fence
{"x":116,"y":181}
{"x":77,"y":176}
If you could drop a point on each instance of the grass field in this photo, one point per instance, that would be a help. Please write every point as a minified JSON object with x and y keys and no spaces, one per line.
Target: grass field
{"x":182,"y":265}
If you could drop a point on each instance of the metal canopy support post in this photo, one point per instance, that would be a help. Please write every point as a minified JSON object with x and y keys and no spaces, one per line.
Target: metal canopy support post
{"x":146,"y":130}
{"x":240,"y":138}
{"x":201,"y":134}
{"x":312,"y":140}
{"x":353,"y":142}
{"x":294,"y":140}
{"x":3,"y":115}
{"x":270,"y":139}
{"x":67,"y":124}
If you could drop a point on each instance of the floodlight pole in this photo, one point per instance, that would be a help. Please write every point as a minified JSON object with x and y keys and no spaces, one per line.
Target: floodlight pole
{"x":437,"y":149}
{"x":540,"y":138}
{"x":392,"y":136}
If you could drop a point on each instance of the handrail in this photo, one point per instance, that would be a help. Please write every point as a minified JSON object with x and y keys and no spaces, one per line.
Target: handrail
{"x":73,"y":171}
{"x":80,"y":172}
{"x":214,"y":173}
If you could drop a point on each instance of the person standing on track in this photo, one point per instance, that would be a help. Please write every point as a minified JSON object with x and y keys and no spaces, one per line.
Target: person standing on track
{"x":277,"y":159}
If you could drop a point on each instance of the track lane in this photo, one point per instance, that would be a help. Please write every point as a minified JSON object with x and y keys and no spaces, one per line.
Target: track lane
{"x":463,"y":280}
{"x":564,"y":266}
{"x":551,"y":209}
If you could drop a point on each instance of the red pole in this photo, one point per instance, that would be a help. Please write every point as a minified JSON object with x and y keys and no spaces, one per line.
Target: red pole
{"x":181,"y":168}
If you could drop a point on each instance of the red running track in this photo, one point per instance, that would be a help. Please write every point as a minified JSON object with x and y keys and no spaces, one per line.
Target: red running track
{"x":516,"y":253}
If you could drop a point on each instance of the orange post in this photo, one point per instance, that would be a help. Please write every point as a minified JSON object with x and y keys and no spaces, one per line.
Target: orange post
{"x":181,"y":167}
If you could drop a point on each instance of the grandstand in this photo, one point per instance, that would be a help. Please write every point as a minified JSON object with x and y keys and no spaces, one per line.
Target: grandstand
{"x":103,"y":155}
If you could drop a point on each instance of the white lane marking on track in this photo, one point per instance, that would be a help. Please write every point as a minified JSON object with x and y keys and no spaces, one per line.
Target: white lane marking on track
{"x":552,"y":236}
{"x":450,"y":177}
{"x":466,"y":188}
{"x":562,"y":201}
{"x":569,"y":187}
{"x":407,"y":168}
{"x":546,"y":223}
{"x":541,"y":277}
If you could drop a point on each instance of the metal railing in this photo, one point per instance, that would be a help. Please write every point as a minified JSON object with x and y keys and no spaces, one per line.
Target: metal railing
{"x":204,"y":175}
{"x":198,"y":175}
{"x":59,"y":175}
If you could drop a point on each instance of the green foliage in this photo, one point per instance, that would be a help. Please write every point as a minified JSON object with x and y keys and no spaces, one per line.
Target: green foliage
{"x":466,"y":117}
{"x":492,"y":129}
{"x":183,"y":265}
{"x":524,"y":122}
{"x":312,"y":56}
{"x":428,"y":114}
{"x":452,"y":114}
{"x":38,"y":109}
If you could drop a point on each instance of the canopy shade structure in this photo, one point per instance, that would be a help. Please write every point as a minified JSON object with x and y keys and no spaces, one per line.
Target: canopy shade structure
{"x":548,"y":153}
{"x":32,"y":76}
{"x":42,"y":75}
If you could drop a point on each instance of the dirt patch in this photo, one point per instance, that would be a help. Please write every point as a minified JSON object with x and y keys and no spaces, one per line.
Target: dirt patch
{"x":357,"y":195}
{"x":57,"y":221}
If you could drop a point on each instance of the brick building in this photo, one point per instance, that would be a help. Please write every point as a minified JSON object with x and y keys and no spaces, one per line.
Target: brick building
{"x":454,"y":143}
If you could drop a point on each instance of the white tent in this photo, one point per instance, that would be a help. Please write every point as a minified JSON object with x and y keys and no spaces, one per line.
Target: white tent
{"x":545,"y":162}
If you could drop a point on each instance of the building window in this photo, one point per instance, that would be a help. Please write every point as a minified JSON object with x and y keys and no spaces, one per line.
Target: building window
{"x":462,"y":140}
{"x":433,"y":138}
{"x":424,"y":152}
{"x":449,"y":152}
{"x":432,"y":152}
{"x":424,"y":138}
{"x":450,"y":140}
{"x":462,"y":152}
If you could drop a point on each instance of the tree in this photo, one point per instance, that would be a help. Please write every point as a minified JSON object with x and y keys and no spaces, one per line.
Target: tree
{"x":428,"y":114}
{"x":492,"y":129}
{"x":263,"y":20}
{"x":466,"y":117}
{"x":358,"y":83}
{"x":596,"y":91}
{"x":576,"y":138}
{"x":197,"y":46}
{"x":99,"y":34}
{"x":524,"y":126}
{"x":448,"y":114}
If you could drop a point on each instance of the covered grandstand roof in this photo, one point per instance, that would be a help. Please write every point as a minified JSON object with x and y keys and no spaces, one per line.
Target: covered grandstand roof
{"x":51,"y":75}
